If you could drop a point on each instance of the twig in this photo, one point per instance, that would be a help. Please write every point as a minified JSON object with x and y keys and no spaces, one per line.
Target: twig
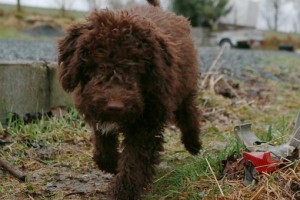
{"x":73,"y":193}
{"x":206,"y":114}
{"x":232,"y":89}
{"x":218,"y":79}
{"x":258,"y":193}
{"x":167,"y":174}
{"x":41,"y":161}
{"x":210,"y":73}
{"x":214,"y":82}
{"x":287,"y":166}
{"x":214,"y":177}
{"x":30,"y":197}
{"x":295,"y":175}
{"x":295,"y":139}
{"x":211,"y":68}
{"x":221,"y":78}
{"x":15,"y":172}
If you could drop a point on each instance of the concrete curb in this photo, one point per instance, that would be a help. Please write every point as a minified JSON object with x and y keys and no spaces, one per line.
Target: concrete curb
{"x":29,"y":87}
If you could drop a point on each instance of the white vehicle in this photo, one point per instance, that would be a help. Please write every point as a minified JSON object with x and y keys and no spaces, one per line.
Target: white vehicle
{"x":245,"y":38}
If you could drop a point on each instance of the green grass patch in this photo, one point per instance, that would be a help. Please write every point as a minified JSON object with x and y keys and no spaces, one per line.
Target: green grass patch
{"x":191,"y":178}
{"x":11,"y":32}
{"x":43,"y":11}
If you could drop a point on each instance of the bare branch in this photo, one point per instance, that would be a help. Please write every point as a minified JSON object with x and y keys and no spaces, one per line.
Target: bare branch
{"x":15,"y":172}
{"x":64,"y":5}
{"x":94,"y":4}
{"x":272,"y":14}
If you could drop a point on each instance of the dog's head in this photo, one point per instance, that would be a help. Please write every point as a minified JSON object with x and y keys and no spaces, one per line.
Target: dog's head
{"x":113,"y":61}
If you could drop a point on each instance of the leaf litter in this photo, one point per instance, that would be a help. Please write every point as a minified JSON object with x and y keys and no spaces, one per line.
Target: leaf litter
{"x":246,"y":101}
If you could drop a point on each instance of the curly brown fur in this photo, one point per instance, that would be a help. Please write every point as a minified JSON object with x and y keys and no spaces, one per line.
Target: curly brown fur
{"x":132,"y":72}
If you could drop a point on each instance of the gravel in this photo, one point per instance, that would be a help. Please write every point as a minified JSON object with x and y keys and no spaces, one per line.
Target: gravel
{"x":233,"y":61}
{"x":238,"y":62}
{"x":27,"y":50}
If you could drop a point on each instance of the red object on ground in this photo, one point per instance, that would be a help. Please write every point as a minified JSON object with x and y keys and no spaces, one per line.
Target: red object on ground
{"x":262,"y":161}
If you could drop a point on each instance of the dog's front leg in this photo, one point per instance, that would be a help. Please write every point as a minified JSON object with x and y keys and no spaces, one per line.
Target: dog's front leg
{"x":105,"y":152}
{"x":136,"y":164}
{"x":188,"y":120}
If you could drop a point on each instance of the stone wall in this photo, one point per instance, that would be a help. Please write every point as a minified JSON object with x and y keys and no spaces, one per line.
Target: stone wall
{"x":29,"y":87}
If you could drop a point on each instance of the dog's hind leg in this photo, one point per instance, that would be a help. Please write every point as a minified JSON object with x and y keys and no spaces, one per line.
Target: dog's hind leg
{"x":136,"y":167}
{"x":187,"y":118}
{"x":105,"y":152}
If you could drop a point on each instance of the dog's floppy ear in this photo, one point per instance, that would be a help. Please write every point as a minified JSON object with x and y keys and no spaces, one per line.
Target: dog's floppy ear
{"x":162,"y":61}
{"x":69,"y":64}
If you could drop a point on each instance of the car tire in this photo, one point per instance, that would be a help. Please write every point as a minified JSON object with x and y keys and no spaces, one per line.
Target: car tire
{"x":226,"y":43}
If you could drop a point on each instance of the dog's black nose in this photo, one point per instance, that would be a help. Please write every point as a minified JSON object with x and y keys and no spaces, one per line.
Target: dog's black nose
{"x":115,"y":106}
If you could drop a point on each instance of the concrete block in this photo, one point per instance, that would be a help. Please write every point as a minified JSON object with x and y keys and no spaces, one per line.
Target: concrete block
{"x":58,"y":96}
{"x":29,"y":87}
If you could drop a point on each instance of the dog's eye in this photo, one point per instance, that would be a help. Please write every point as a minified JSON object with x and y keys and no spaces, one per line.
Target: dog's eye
{"x":129,"y":87}
{"x":140,"y":45}
{"x":100,"y":49}
{"x":84,"y":54}
{"x":85,"y":79}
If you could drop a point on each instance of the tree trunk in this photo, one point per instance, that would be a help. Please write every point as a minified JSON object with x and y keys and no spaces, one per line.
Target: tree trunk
{"x":276,"y":15}
{"x":19,"y":9}
{"x":63,"y":11}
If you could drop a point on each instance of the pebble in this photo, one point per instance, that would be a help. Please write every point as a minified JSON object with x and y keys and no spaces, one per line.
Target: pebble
{"x":233,"y":61}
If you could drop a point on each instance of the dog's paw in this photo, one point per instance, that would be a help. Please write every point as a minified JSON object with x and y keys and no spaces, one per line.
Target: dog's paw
{"x":106,"y":164}
{"x":193,"y":147}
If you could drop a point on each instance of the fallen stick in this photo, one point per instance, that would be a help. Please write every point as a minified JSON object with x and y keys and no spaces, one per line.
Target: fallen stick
{"x":215,"y":177}
{"x":232,"y":89}
{"x":15,"y":172}
{"x":167,"y":174}
{"x":256,"y":195}
{"x":211,"y":68}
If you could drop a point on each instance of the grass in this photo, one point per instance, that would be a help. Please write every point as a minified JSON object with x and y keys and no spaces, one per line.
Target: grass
{"x":10,"y":32}
{"x":59,"y":147}
{"x":188,"y":178}
{"x":177,"y":180}
{"x":281,"y":35}
{"x":39,"y":147}
{"x":273,"y":119}
{"x":180,"y":176}
{"x":273,"y":39}
{"x":42,"y":11}
{"x":12,"y":23}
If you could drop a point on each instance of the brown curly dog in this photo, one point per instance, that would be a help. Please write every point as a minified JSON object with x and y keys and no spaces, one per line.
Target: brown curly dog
{"x":132,"y":71}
